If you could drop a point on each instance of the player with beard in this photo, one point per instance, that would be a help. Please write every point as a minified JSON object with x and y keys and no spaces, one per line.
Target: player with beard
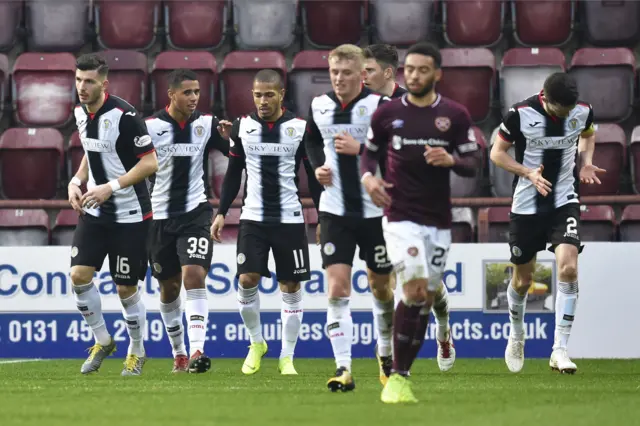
{"x":429,"y":136}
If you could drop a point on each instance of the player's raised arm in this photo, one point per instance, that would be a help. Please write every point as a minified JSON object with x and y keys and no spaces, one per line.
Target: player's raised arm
{"x":586,"y":147}
{"x":468,"y":160}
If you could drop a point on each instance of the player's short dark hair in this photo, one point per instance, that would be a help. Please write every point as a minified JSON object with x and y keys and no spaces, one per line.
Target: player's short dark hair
{"x":270,"y":77}
{"x":176,"y":77}
{"x":385,"y":55}
{"x":427,"y":49}
{"x":560,"y":88}
{"x":93,"y":62}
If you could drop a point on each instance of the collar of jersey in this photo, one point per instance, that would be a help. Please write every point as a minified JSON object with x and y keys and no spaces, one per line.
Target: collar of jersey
{"x":364,"y":92}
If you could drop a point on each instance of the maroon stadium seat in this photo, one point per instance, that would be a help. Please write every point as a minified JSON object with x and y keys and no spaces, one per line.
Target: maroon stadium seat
{"x":473,"y":23}
{"x":31,"y":162}
{"x":468,"y":78}
{"x":402,"y":22}
{"x":20,"y":227}
{"x":44,"y":88}
{"x":308,"y":78}
{"x":634,"y":159}
{"x":238,"y":71}
{"x":542,"y":23}
{"x":10,"y":17}
{"x":311,"y":223}
{"x":218,"y":167}
{"x":605,"y":78}
{"x":62,"y":232}
{"x":331,"y":23}
{"x":501,"y":180}
{"x":127,"y":75}
{"x":470,"y":187}
{"x":610,"y":154}
{"x":203,"y":63}
{"x":199,"y":24}
{"x":630,"y":223}
{"x":127,"y":24}
{"x":611,"y":23}
{"x":75,"y":152}
{"x":4,"y":82}
{"x":231,"y":226}
{"x":524,"y":71}
{"x":462,"y":228}
{"x":60,"y":25}
{"x":498,"y":218}
{"x":598,"y":223}
{"x":265,"y":24}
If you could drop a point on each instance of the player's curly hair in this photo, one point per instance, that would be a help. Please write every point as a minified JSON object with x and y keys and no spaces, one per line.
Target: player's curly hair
{"x":560,"y":88}
{"x":427,"y":49}
{"x":93,"y":62}
{"x":385,"y":55}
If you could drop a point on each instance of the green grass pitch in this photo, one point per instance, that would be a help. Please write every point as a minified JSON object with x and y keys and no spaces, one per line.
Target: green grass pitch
{"x":474,"y":393}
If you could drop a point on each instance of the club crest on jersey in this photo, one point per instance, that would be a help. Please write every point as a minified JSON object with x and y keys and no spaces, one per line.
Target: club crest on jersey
{"x":290,"y":131}
{"x":443,"y":123}
{"x":74,"y":251}
{"x":157,"y":267}
{"x":106,"y":124}
{"x":362,"y":111}
{"x":515,"y":250}
{"x":573,"y":123}
{"x":199,"y":131}
{"x":329,"y":249}
{"x":241,"y":258}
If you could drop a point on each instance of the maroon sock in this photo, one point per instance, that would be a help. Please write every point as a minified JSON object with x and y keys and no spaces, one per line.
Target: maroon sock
{"x":406,"y":322}
{"x":421,"y":331}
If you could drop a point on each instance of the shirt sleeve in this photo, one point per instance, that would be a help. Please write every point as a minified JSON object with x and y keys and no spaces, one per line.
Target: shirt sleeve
{"x":215,"y":140}
{"x":510,"y":126}
{"x":467,"y":156}
{"x":233,"y":177}
{"x":313,"y":142}
{"x":377,"y":138}
{"x":589,"y":128}
{"x":134,"y":133}
{"x":314,"y":186}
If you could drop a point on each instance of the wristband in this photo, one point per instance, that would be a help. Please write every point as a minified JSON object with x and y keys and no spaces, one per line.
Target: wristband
{"x":114,"y":184}
{"x":364,"y":176}
{"x":76,"y":181}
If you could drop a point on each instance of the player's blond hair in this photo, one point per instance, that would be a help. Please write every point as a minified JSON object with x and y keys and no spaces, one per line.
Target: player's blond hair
{"x":349,"y":52}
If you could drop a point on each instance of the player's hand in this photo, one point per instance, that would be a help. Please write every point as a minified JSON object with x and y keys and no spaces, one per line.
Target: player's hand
{"x":542,"y":185}
{"x":224,"y":128}
{"x":216,"y":228}
{"x":97,"y":196}
{"x":377,"y":189}
{"x":438,"y":157}
{"x":323,"y":175}
{"x":318,"y":234}
{"x":346,"y":144}
{"x":588,"y":174}
{"x":75,"y":197}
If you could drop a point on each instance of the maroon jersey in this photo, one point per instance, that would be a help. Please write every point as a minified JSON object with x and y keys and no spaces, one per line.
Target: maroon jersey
{"x":421,"y":193}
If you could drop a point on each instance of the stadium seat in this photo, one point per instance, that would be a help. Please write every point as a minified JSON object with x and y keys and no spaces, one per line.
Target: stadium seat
{"x":64,"y":227}
{"x":10,"y":17}
{"x":218,"y":168}
{"x":611,"y":23}
{"x":598,"y":223}
{"x":231,"y":226}
{"x":630,"y":224}
{"x":542,"y":23}
{"x":402,"y":22}
{"x":127,"y":75}
{"x":605,"y":78}
{"x":26,"y":227}
{"x":501,"y":180}
{"x":75,"y":152}
{"x":203,"y":63}
{"x":524,"y":71}
{"x":60,"y":25}
{"x":311,"y":222}
{"x":634,"y":159}
{"x":473,"y":23}
{"x":470,"y":187}
{"x":199,"y":24}
{"x":31,"y":160}
{"x":498,"y":218}
{"x":265,"y":24}
{"x":44,"y":89}
{"x":4,"y":82}
{"x":462,"y":228}
{"x":128,"y":24}
{"x":468,"y":78}
{"x":238,"y":71}
{"x":610,"y":154}
{"x":308,"y":78}
{"x":331,"y":23}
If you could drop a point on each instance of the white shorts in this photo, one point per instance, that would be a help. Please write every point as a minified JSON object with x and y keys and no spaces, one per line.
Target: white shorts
{"x":417,"y":251}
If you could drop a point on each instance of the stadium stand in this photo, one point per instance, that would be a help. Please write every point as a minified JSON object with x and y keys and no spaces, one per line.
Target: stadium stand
{"x":127,"y":75}
{"x":10,"y":18}
{"x":4,"y":82}
{"x":610,"y":154}
{"x":598,"y":223}
{"x":612,"y":23}
{"x":127,"y":24}
{"x":195,"y":24}
{"x":473,"y":23}
{"x":265,"y":24}
{"x":634,"y":159}
{"x":630,"y":223}
{"x":62,"y":231}
{"x":402,"y":22}
{"x":543,"y":23}
{"x":56,"y":26}
{"x":22,"y":227}
{"x":331,"y":23}
{"x":308,"y":78}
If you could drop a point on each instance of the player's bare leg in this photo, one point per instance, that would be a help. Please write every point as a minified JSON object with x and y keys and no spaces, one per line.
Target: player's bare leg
{"x":383,"y":306}
{"x":171,"y":312}
{"x":249,"y":305}
{"x":566,"y":302}
{"x":291,"y":316}
{"x":446,"y":350}
{"x":340,"y":326}
{"x":197,"y":311}
{"x":89,"y":304}
{"x":517,"y":298}
{"x":135,"y":316}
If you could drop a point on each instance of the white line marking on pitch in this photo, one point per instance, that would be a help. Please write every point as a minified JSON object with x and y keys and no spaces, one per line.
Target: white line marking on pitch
{"x":16,"y":361}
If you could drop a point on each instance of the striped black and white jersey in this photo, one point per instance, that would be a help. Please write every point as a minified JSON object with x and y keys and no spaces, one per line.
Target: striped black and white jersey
{"x":179,"y":185}
{"x":550,"y":141}
{"x":327,"y":118}
{"x":114,"y":139}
